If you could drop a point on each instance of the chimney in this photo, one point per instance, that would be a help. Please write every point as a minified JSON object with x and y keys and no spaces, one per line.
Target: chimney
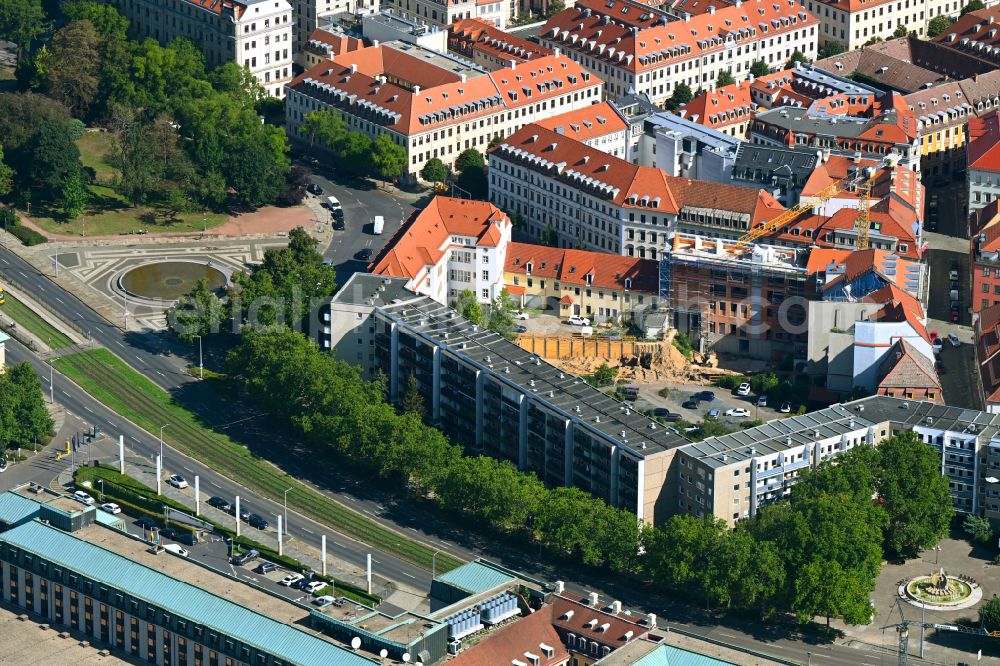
{"x":687,"y":17}
{"x":711,"y":9}
{"x":513,"y":65}
{"x":592,"y":598}
{"x":560,"y":586}
{"x":616,"y":607}
{"x":354,"y":68}
{"x":651,"y":620}
{"x":557,"y":52}
{"x":463,"y":78}
{"x":375,"y":43}
{"x":416,"y":89}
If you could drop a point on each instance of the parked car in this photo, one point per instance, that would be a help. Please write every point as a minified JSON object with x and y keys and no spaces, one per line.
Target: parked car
{"x":707,"y":396}
{"x":954,"y":315}
{"x":365,"y":254}
{"x":146,"y":522}
{"x":291,"y":579}
{"x":520,"y":329}
{"x":953,"y":339}
{"x":738,"y":411}
{"x":324,"y":601}
{"x":665,"y":414}
{"x":3,"y":464}
{"x":577,"y":320}
{"x":177,"y":481}
{"x":521,"y":316}
{"x":111,"y":508}
{"x":244,"y":512}
{"x":785,"y":408}
{"x":690,"y":404}
{"x":713,"y":413}
{"x":266,"y":567}
{"x":257,"y":522}
{"x":744,"y":389}
{"x":243,"y":558}
{"x":83,"y":497}
{"x":175,"y":549}
{"x":939,"y":366}
{"x":762,"y":401}
{"x":313,"y":188}
{"x":220,"y":503}
{"x":338,"y":225}
{"x":937,"y":344}
{"x":314,"y":586}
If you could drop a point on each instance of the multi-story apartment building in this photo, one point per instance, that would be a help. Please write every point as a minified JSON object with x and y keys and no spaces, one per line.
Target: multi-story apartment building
{"x":312,"y":14}
{"x":254,"y":33}
{"x":433,"y":104}
{"x":490,"y":47}
{"x":687,"y":149}
{"x":450,"y":246}
{"x":596,"y":201}
{"x":983,"y":160}
{"x":735,"y":475}
{"x":602,"y":287}
{"x":984,"y":258}
{"x":324,"y":44}
{"x":445,"y":12}
{"x":845,"y":125}
{"x":854,"y":23}
{"x":987,"y":339}
{"x":639,"y":48}
{"x":600,"y":126}
{"x":974,"y":35}
{"x":390,"y":26}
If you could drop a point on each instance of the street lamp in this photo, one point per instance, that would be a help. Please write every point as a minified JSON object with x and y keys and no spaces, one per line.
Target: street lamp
{"x":937,"y":552}
{"x":434,"y":564}
{"x":101,"y":481}
{"x":165,"y":425}
{"x":286,"y":509}
{"x":201,"y":365}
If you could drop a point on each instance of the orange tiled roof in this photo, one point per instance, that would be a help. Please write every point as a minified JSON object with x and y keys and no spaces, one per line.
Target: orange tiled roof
{"x":475,"y":34}
{"x":858,"y":262}
{"x":906,"y":368}
{"x":509,"y":644}
{"x":332,"y":44}
{"x":382,"y":83}
{"x":983,"y":148}
{"x":604,"y":30}
{"x":587,"y":123}
{"x":573,"y":266}
{"x":728,"y":105}
{"x":216,"y":6}
{"x":898,"y":306}
{"x":423,"y":239}
{"x":986,"y":225}
{"x":979,"y":26}
{"x":614,"y":635}
{"x":988,"y":351}
{"x":854,"y":5}
{"x":898,"y":181}
{"x":812,"y":229}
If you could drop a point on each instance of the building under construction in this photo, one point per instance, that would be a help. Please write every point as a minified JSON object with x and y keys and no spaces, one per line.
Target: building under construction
{"x":733,"y":298}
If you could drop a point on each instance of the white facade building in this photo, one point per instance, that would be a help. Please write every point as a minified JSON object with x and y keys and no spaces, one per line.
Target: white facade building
{"x":253,"y":33}
{"x":445,"y":12}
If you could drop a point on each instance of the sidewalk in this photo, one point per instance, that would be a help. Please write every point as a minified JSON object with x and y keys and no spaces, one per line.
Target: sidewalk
{"x":26,"y":336}
{"x":144,"y":471}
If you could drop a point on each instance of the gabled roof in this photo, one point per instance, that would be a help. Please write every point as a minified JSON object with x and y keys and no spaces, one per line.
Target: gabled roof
{"x":728,"y":105}
{"x":331,"y":43}
{"x":574,"y":615}
{"x":986,"y":227}
{"x":587,"y":123}
{"x":988,"y":351}
{"x":973,"y":31}
{"x":905,"y":367}
{"x":513,"y":643}
{"x":897,"y":181}
{"x":898,"y":306}
{"x":424,"y":238}
{"x":609,"y":271}
{"x":983,"y":148}
{"x":476,"y":34}
{"x":639,"y":38}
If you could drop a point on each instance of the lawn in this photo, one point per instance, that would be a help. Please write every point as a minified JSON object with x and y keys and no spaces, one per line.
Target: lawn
{"x":127,"y":392}
{"x":31,"y":322}
{"x":108,"y":213}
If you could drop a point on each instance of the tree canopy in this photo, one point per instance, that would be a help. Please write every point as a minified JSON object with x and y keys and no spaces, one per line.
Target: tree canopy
{"x":938,"y":25}
{"x":725,"y":79}
{"x":759,"y":68}
{"x":23,"y":416}
{"x":434,"y":171}
{"x":972,"y":6}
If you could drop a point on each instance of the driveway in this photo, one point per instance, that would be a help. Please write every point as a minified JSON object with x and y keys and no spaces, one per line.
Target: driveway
{"x":678,"y":393}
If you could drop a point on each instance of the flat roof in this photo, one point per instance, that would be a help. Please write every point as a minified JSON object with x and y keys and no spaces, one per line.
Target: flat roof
{"x":184,"y":588}
{"x":403,"y":628}
{"x":375,"y":290}
{"x":446,"y":61}
{"x":29,"y":644}
{"x":476,"y":577}
{"x":787,"y":433}
{"x":532,"y":375}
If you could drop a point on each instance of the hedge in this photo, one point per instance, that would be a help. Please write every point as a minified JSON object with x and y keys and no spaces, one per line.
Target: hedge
{"x":27,"y":236}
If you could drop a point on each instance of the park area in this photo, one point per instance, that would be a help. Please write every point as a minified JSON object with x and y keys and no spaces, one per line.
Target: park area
{"x":108,"y":213}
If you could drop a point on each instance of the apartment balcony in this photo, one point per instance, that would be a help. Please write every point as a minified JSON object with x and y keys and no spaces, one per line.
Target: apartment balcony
{"x":783,"y":469}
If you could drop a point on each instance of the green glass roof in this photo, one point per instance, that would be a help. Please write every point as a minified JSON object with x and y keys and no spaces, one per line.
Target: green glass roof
{"x":179,"y":598}
{"x":475,"y":577}
{"x":668,"y":655}
{"x":14,"y":508}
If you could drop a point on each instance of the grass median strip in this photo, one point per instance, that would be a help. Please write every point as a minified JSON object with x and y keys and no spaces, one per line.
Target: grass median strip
{"x":110,"y":380}
{"x":33,"y":323}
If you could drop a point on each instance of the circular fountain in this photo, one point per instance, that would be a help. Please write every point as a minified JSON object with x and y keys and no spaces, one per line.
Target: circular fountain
{"x":941,"y":591}
{"x":169,"y":280}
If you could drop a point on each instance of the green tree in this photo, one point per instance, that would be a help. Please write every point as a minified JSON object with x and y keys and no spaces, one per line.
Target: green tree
{"x":74,"y":196}
{"x":764,"y":383}
{"x":257,"y":166}
{"x":469,"y":306}
{"x":682,"y":95}
{"x":469,"y":158}
{"x":725,"y":79}
{"x":972,"y":6}
{"x":494,"y":142}
{"x":23,"y":416}
{"x":501,"y":315}
{"x":900,"y":31}
{"x":490,"y":490}
{"x":388,"y":158}
{"x":824,"y":588}
{"x":434,"y":171}
{"x":21,"y":115}
{"x":73,"y":77}
{"x":6,"y":176}
{"x":759,"y":68}
{"x":978,"y":528}
{"x":412,"y":401}
{"x":938,"y":25}
{"x":108,"y":20}
{"x":473,"y":181}
{"x":914,"y":492}
{"x":48,"y":162}
{"x":549,"y":237}
{"x":989,"y":614}
{"x":21,"y":21}
{"x":605,"y":375}
{"x":684,"y":556}
{"x":199,"y":313}
{"x":831,"y":49}
{"x":553,"y":7}
{"x":796,"y":57}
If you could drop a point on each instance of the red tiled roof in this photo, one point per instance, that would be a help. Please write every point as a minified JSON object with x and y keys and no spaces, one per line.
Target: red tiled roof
{"x":906,"y":368}
{"x":216,"y":6}
{"x":423,"y":239}
{"x":983,"y":148}
{"x":527,"y":634}
{"x":899,"y":181}
{"x":378,"y":81}
{"x":979,"y":26}
{"x":854,"y":5}
{"x":898,"y":306}
{"x":587,"y":123}
{"x":475,"y":34}
{"x":572,"y":266}
{"x":333,"y":44}
{"x":728,"y":105}
{"x":988,"y":351}
{"x":986,"y":224}
{"x":584,"y":27}
{"x":859,"y":262}
{"x":846,"y":218}
{"x":581,"y":622}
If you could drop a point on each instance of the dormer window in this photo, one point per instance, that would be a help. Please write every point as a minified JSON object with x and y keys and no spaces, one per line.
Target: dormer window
{"x":527,"y":268}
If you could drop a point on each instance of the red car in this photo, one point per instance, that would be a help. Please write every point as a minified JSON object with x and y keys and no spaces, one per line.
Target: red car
{"x":933,"y":335}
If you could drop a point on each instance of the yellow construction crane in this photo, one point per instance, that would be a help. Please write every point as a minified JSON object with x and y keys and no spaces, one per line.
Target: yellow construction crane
{"x":862,"y":180}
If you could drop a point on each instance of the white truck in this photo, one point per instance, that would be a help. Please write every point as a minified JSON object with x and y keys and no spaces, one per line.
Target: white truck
{"x":378,"y":224}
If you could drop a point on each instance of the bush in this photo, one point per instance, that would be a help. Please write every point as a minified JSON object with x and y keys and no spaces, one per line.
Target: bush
{"x":27,"y":236}
{"x":730,"y":382}
{"x":663,"y":392}
{"x":978,"y":529}
{"x":683,"y":345}
{"x":8,"y":218}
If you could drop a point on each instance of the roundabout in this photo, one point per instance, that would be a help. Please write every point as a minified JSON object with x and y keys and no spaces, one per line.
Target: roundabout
{"x":941,"y":591}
